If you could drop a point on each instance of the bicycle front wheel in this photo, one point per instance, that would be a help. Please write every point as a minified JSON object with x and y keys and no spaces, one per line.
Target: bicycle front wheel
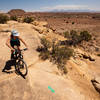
{"x":22,"y":67}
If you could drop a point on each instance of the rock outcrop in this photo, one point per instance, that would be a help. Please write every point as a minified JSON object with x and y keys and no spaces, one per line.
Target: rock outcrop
{"x":16,"y":12}
{"x":96,"y":83}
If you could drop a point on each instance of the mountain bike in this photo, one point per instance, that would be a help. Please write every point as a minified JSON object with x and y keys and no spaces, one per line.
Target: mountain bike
{"x":20,"y":64}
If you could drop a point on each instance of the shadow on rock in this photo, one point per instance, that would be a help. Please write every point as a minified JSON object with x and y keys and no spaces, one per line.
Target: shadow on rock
{"x":8,"y":65}
{"x":96,"y":85}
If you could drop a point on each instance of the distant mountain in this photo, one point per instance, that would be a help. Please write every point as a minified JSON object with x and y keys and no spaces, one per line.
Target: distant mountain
{"x":82,"y":10}
{"x":2,"y":12}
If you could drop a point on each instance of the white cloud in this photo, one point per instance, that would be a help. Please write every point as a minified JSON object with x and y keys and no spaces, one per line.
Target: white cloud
{"x":65,"y":7}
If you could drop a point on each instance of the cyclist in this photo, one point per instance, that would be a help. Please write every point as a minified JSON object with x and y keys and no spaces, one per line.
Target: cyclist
{"x":14,"y":40}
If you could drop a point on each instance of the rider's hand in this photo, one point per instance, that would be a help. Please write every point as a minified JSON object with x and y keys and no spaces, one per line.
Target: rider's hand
{"x":12,"y":50}
{"x":27,"y":48}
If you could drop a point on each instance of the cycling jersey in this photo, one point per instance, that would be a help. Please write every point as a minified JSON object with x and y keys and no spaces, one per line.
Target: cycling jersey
{"x":14,"y":42}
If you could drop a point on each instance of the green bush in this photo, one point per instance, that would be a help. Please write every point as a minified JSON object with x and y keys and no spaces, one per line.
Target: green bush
{"x":55,"y":53}
{"x":28,"y":19}
{"x":85,"y":36}
{"x":75,"y":37}
{"x":72,"y":32}
{"x":66,"y":34}
{"x":63,"y":53}
{"x":3,"y":19}
{"x":44,"y":49}
{"x":46,"y":44}
{"x":60,"y":56}
{"x":14,"y":18}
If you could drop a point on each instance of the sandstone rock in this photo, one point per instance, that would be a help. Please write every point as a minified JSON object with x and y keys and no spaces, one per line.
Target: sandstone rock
{"x":36,"y":23}
{"x":87,"y":56}
{"x":16,"y":12}
{"x":96,"y":83}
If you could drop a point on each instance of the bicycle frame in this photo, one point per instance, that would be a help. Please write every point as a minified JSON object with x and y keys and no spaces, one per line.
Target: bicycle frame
{"x":18,"y":54}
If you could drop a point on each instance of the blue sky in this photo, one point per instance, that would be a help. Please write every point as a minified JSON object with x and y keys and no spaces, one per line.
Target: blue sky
{"x":47,"y":5}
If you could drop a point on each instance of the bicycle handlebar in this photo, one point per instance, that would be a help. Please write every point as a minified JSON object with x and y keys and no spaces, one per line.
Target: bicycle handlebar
{"x":16,"y":50}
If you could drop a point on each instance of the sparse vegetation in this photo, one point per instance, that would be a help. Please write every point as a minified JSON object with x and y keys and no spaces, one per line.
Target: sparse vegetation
{"x":66,"y":34}
{"x":28,"y":19}
{"x":74,"y":38}
{"x":44,"y":55}
{"x":73,"y":22}
{"x":55,"y":53}
{"x":14,"y":18}
{"x":44,"y":49}
{"x":46,"y":44}
{"x":84,"y":35}
{"x":72,"y":32}
{"x":96,"y":16}
{"x":3,"y":19}
{"x":61,"y":55}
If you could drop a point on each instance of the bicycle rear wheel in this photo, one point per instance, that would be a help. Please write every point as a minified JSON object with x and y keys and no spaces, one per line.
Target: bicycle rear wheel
{"x":22,"y":67}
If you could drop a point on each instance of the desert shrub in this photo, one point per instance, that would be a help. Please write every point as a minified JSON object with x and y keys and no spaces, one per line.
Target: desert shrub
{"x":96,"y":16}
{"x":28,"y":19}
{"x":44,"y":49}
{"x":63,"y":53}
{"x":72,"y":32}
{"x":46,"y":44}
{"x":13,"y":18}
{"x":3,"y":19}
{"x":75,"y":37}
{"x":98,"y":54}
{"x":60,"y":57}
{"x":66,"y":34}
{"x":73,"y":22}
{"x":55,"y":53}
{"x":65,"y":70}
{"x":44,"y":55}
{"x":85,"y":36}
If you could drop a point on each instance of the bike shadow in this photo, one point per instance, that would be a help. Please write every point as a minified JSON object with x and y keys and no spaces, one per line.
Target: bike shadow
{"x":8,"y":68}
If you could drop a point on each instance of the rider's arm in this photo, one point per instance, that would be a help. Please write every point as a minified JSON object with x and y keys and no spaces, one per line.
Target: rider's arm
{"x":23,"y":42}
{"x":8,"y":43}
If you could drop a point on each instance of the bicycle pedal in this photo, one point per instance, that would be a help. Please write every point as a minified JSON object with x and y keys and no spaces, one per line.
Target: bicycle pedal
{"x":17,"y":72}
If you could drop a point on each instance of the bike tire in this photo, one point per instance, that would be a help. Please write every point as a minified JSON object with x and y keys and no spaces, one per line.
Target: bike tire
{"x":23,"y":71}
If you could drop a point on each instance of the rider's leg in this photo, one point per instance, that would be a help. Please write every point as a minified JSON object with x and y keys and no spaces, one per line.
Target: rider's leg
{"x":12,"y":55}
{"x":12,"y":45}
{"x":18,"y":47}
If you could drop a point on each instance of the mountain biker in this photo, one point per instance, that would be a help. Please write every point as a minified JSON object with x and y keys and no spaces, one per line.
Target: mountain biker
{"x":14,"y":40}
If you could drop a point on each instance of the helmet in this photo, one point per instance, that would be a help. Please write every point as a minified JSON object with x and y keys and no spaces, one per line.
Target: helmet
{"x":14,"y":33}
